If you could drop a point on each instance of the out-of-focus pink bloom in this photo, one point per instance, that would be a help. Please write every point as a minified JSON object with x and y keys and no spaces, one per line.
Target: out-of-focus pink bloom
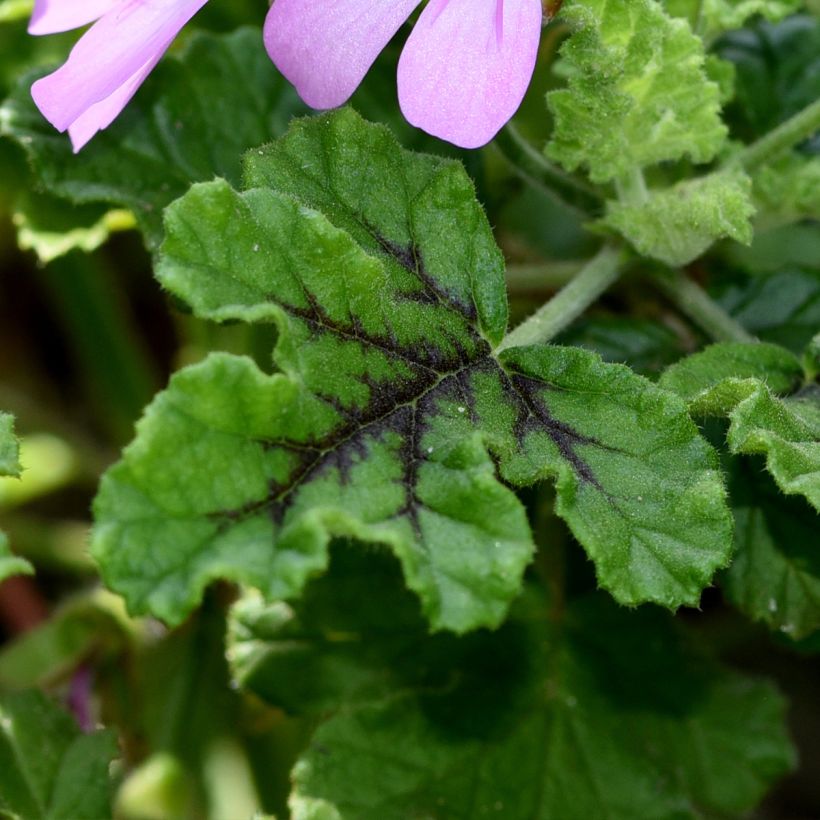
{"x":462,"y":74}
{"x":109,"y":62}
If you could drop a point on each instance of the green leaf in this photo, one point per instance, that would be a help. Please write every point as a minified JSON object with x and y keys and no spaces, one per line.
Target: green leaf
{"x":788,"y":190}
{"x":587,"y":711}
{"x":782,"y":307}
{"x":775,"y":574}
{"x":676,"y":225}
{"x":638,"y":92}
{"x":15,"y":10}
{"x":92,"y":623}
{"x":10,"y":466}
{"x":741,"y":382}
{"x":192,"y":120}
{"x":391,"y":420}
{"x":49,"y":770}
{"x":777,"y":73}
{"x":53,"y":227}
{"x":713,"y":17}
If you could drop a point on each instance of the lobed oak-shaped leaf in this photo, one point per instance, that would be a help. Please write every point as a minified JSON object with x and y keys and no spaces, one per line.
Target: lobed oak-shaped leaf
{"x":391,"y":420}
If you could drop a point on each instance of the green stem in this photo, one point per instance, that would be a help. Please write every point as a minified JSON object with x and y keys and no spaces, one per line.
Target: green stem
{"x":796,"y":129}
{"x":534,"y":168}
{"x":695,"y":303}
{"x":538,"y":277}
{"x":570,"y":302}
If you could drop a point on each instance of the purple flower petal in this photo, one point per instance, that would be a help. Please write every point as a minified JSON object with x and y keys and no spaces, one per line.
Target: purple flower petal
{"x":325,"y":47}
{"x":51,"y":16}
{"x":108,"y":64}
{"x":466,"y":67}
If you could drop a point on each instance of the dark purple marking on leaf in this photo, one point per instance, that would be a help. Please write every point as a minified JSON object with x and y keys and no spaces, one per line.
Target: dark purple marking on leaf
{"x":411,"y":259}
{"x":534,"y":416}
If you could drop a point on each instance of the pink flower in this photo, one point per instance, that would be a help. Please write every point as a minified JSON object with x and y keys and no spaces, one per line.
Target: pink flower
{"x":110,"y":61}
{"x":462,"y":74}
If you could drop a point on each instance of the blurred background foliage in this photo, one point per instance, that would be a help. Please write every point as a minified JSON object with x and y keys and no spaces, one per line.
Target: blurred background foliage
{"x":87,"y":338}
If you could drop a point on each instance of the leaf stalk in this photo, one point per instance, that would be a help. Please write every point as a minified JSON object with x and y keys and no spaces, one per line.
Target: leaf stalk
{"x":570,"y":302}
{"x":693,"y":301}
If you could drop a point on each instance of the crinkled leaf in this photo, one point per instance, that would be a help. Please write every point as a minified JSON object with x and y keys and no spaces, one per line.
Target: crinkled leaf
{"x":638,"y":91}
{"x":391,"y":419}
{"x":514,"y":724}
{"x":676,"y":225}
{"x":10,"y":466}
{"x":788,"y":190}
{"x":49,"y":770}
{"x":741,"y":382}
{"x":775,"y":574}
{"x":192,"y":120}
{"x":713,"y":17}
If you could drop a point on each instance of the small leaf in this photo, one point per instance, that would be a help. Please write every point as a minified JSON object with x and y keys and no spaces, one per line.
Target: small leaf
{"x":676,"y":225}
{"x":192,"y":120}
{"x":775,"y":574}
{"x":515,"y":723}
{"x":741,"y":381}
{"x":391,"y":421}
{"x":10,"y":466}
{"x":49,"y":770}
{"x":716,"y":16}
{"x":788,"y":190}
{"x":638,"y":91}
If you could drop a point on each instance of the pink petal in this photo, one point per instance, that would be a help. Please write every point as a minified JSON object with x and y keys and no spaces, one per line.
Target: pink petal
{"x":325,"y":47}
{"x":51,"y":16}
{"x":466,"y":67}
{"x":102,"y":114}
{"x":112,"y":55}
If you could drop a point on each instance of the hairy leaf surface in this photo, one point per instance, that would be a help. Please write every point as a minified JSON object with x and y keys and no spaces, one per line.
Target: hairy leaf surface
{"x":741,"y":381}
{"x":391,"y":419}
{"x":676,"y":225}
{"x":638,"y":91}
{"x":588,"y":711}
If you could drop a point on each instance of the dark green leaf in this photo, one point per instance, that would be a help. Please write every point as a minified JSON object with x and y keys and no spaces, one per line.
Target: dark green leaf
{"x":741,"y":381}
{"x":775,"y":575}
{"x":592,"y":711}
{"x":49,"y":770}
{"x":193,"y":119}
{"x":392,"y":421}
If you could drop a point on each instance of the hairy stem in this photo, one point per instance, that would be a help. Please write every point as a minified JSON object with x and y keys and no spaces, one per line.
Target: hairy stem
{"x":788,"y":134}
{"x":570,"y":302}
{"x":535,"y":169}
{"x":693,"y":301}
